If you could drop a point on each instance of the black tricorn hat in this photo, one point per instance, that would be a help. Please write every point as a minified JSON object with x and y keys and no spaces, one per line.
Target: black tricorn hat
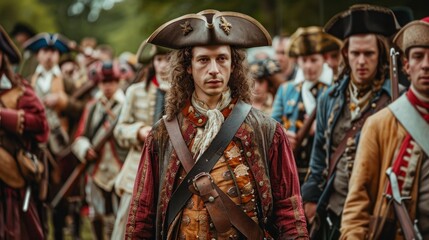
{"x":22,"y":28}
{"x":48,"y":40}
{"x":312,"y":40}
{"x":211,"y":27}
{"x":363,"y":19}
{"x":8,"y":48}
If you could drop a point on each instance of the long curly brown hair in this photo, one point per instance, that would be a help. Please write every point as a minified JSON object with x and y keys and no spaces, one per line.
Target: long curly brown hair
{"x":182,"y":84}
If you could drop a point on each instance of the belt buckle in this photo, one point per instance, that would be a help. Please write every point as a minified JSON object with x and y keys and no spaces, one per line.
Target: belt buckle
{"x":198,"y":176}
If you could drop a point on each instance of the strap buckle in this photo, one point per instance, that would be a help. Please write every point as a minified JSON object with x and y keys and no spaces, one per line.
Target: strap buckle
{"x":198,"y":176}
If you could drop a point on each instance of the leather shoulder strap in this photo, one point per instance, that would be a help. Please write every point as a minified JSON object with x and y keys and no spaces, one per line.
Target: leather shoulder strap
{"x":178,"y":143}
{"x":208,"y":159}
{"x":412,"y":121}
{"x":234,"y":213}
{"x":352,"y":132}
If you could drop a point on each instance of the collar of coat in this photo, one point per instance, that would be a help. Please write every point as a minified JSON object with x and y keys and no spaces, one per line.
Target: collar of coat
{"x":340,"y":86}
{"x":200,"y":120}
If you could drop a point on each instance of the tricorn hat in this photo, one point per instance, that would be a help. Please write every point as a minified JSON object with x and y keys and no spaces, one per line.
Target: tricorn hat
{"x":147,"y":51}
{"x":22,"y":28}
{"x":414,"y":34}
{"x":8,"y":48}
{"x":362,"y":19}
{"x":48,"y":40}
{"x":211,"y":27}
{"x":312,"y":40}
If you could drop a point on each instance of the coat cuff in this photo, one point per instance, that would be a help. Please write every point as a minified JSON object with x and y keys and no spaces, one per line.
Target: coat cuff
{"x":126,"y":134}
{"x":12,"y":120}
{"x":79,"y":148}
{"x":310,"y":192}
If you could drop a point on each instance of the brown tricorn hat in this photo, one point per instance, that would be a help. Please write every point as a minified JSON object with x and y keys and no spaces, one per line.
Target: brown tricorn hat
{"x":211,"y":27}
{"x":312,"y":40}
{"x":147,"y":51}
{"x":362,"y":19}
{"x":8,"y":48}
{"x":414,"y":34}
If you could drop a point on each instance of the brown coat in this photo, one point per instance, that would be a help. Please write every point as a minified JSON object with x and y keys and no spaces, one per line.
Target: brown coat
{"x":380,"y":141}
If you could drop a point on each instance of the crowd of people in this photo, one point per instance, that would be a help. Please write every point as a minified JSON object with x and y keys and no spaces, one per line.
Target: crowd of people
{"x":214,"y":130}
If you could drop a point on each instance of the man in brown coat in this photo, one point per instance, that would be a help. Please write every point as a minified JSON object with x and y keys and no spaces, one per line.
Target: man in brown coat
{"x":394,"y":138}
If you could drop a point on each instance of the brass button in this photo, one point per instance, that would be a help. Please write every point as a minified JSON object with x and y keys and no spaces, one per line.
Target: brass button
{"x":211,"y":199}
{"x":261,"y":183}
{"x":373,"y":105}
{"x":200,"y":120}
{"x":248,"y":154}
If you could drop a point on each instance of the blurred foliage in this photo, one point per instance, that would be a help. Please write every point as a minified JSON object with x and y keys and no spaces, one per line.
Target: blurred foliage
{"x":128,"y":22}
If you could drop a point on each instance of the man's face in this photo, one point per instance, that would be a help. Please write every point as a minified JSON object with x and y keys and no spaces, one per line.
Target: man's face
{"x":332,"y":58}
{"x":211,"y":70}
{"x":48,"y":57}
{"x":417,"y":67}
{"x":69,"y":70}
{"x":362,"y":55}
{"x":160,"y":63}
{"x":109,"y":88}
{"x":312,"y":66}
{"x":281,"y":54}
{"x":261,"y":88}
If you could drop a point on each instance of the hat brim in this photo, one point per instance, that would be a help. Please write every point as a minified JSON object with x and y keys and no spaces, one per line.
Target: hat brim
{"x":211,"y":27}
{"x":46,"y":40}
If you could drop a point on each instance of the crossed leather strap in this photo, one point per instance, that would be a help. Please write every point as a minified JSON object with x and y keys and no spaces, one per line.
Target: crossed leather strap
{"x":223,"y":212}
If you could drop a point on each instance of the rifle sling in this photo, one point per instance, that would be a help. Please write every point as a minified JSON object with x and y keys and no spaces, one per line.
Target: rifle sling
{"x":333,"y":161}
{"x":204,"y":165}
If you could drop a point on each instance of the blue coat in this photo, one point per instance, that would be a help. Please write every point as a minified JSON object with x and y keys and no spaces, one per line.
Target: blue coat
{"x":288,"y":103}
{"x":329,"y":108}
{"x":289,"y":110}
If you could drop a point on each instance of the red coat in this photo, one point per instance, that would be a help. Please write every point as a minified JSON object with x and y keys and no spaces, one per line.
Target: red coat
{"x":27,"y":119}
{"x":274,"y":173}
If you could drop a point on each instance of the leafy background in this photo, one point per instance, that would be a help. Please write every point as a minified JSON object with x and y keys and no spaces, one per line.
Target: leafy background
{"x":124,"y":24}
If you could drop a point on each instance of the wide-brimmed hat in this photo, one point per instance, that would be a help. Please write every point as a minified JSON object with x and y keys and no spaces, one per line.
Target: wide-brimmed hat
{"x":363,"y":19}
{"x":211,"y":27}
{"x":8,"y":48}
{"x":312,"y":40}
{"x":48,"y":40}
{"x":147,"y":51}
{"x":414,"y":34}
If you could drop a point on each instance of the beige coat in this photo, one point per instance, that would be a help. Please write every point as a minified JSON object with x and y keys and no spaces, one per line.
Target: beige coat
{"x":380,"y":141}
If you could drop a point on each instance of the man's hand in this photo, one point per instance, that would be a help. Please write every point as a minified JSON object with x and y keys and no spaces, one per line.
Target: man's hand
{"x":91,"y":155}
{"x":143,"y":132}
{"x":51,"y":100}
{"x":310,"y":211}
{"x":292,"y":138}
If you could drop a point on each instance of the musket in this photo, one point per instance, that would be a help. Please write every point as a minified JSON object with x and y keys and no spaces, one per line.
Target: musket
{"x":394,"y":73}
{"x":79,"y":169}
{"x":305,"y":129}
{"x":72,"y":179}
{"x":409,"y":230}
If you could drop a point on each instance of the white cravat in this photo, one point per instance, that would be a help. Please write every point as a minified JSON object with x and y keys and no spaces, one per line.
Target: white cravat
{"x":5,"y":82}
{"x":308,"y":97}
{"x":44,"y":80}
{"x":214,"y":122}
